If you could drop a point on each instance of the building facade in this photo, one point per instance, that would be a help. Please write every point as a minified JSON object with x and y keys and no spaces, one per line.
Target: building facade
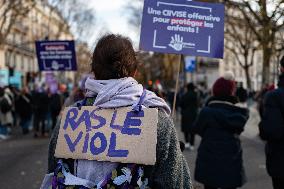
{"x":17,"y":52}
{"x":205,"y":73}
{"x":237,"y":32}
{"x":230,"y":63}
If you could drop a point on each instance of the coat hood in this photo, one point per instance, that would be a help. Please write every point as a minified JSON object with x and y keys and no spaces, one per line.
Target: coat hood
{"x":227,"y":114}
{"x":230,"y":99}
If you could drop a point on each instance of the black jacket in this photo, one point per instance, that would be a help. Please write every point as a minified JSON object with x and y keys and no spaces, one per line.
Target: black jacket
{"x":55,"y":104}
{"x":219,"y":161}
{"x":40,"y":103}
{"x":24,"y":106}
{"x":242,"y":94}
{"x":272,"y":130}
{"x":189,"y":110}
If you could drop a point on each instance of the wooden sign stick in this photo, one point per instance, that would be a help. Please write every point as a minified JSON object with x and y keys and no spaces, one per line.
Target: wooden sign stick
{"x":176,"y":89}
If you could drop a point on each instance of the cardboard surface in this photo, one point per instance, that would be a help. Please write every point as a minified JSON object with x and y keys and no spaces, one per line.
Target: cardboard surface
{"x":116,"y":135}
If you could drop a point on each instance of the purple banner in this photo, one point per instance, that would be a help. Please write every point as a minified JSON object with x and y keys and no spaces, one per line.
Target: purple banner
{"x":56,"y":55}
{"x":183,"y":27}
{"x":51,"y":82}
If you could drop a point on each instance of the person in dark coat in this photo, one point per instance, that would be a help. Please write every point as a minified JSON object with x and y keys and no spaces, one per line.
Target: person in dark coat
{"x":219,"y":161}
{"x":242,"y":93}
{"x":272,"y":130}
{"x":24,"y":109}
{"x":40,"y":108}
{"x":189,"y":111}
{"x":55,"y":107}
{"x":260,"y":98}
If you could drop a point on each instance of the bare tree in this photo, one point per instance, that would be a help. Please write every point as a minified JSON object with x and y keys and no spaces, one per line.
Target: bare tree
{"x":11,"y":12}
{"x":241,"y":42}
{"x":158,"y":66}
{"x":78,"y":15}
{"x":265,"y":19}
{"x":278,"y":53}
{"x":134,"y":8}
{"x":83,"y":60}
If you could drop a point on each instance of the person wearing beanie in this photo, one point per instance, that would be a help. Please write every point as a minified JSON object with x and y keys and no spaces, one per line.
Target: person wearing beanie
{"x":224,"y":88}
{"x":219,"y":161}
{"x":271,"y":130}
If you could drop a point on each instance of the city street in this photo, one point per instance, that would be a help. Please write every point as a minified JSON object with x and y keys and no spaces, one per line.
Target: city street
{"x":110,"y":56}
{"x":24,"y":160}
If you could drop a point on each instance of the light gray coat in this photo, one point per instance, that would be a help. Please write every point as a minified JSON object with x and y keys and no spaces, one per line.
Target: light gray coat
{"x":6,"y":118}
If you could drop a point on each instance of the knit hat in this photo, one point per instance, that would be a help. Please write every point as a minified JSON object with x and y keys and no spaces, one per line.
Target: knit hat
{"x":224,"y":87}
{"x":228,"y":75}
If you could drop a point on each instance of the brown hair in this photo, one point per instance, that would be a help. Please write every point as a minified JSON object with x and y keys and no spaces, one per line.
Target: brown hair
{"x":114,"y":58}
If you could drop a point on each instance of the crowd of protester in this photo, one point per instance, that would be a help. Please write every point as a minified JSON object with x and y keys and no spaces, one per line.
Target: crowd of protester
{"x":218,"y":116}
{"x":33,"y":110}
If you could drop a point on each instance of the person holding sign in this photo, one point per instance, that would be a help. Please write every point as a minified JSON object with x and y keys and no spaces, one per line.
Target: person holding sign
{"x":121,"y":135}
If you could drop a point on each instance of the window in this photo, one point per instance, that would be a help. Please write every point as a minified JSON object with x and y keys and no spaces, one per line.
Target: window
{"x":22,"y":63}
{"x":14,"y":37}
{"x":7,"y":58}
{"x":18,"y":62}
{"x":30,"y":64}
{"x":10,"y":37}
{"x":13,"y":60}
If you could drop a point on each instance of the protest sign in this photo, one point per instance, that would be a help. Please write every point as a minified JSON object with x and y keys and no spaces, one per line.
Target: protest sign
{"x":183,"y":27}
{"x":116,"y":135}
{"x":56,"y":55}
{"x":51,"y":82}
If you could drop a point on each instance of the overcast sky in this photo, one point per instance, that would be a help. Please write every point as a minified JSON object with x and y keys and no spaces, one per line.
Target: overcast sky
{"x":111,"y":16}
